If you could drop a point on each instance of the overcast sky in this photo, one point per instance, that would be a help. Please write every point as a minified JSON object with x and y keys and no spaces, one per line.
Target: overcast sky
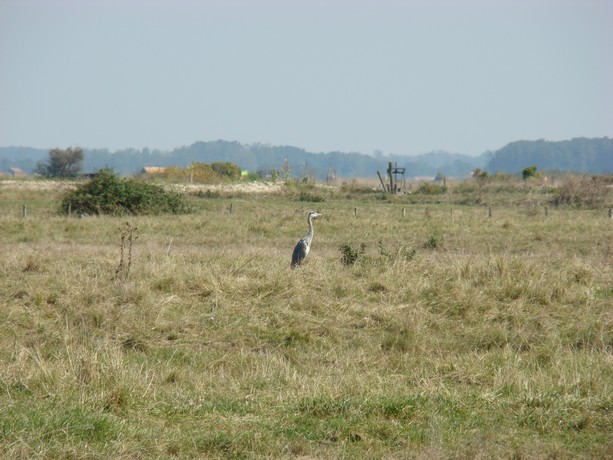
{"x":402,"y":77}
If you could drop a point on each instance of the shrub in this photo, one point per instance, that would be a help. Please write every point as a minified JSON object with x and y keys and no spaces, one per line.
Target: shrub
{"x":434,"y":241}
{"x":587,"y":191}
{"x":108,"y":194}
{"x":227,"y":169}
{"x":429,"y":188}
{"x":202,"y":173}
{"x":353,"y":186}
{"x":310,"y":197}
{"x":349,"y":256}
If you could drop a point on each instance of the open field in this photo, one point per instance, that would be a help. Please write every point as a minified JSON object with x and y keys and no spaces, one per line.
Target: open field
{"x":453,"y":334}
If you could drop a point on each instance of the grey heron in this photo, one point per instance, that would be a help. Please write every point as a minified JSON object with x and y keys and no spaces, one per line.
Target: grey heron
{"x":304,"y":245}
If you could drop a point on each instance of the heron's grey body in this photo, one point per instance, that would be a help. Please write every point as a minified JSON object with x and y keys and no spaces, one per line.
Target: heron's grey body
{"x":304,"y":245}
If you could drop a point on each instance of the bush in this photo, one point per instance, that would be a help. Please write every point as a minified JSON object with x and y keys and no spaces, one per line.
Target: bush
{"x":354,"y":187}
{"x":202,"y":173}
{"x":349,"y":256}
{"x":428,"y":188}
{"x":434,"y":241}
{"x":310,"y":197}
{"x":227,"y":169}
{"x":529,"y":171}
{"x":108,"y":194}
{"x":586,"y":192}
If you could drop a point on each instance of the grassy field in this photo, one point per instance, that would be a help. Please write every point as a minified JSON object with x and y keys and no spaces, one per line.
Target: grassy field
{"x":453,"y":335}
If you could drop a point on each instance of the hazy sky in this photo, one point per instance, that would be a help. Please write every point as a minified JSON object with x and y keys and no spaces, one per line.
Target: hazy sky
{"x":403,"y":77}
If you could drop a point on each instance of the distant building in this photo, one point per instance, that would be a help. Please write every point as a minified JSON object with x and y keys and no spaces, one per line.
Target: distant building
{"x":16,"y":172}
{"x":152,"y":170}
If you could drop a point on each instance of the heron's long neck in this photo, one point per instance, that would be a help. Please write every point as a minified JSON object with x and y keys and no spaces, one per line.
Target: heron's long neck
{"x":309,"y":235}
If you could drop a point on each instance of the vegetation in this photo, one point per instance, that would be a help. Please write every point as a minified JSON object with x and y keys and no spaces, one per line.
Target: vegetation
{"x":108,"y":194}
{"x":452,"y":335}
{"x":129,"y":234}
{"x":62,"y":163}
{"x":310,"y":197}
{"x":578,"y":155}
{"x":230,"y":170}
{"x":585,"y":191}
{"x":349,"y":256}
{"x":528,"y":172}
{"x":482,"y":177}
{"x":431,"y":188}
{"x":203,"y":173}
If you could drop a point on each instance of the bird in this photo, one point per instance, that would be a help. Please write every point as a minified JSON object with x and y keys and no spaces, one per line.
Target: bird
{"x":304,"y":245}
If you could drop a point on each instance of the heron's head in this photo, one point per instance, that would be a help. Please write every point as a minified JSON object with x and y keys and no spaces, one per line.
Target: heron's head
{"x":315,"y":214}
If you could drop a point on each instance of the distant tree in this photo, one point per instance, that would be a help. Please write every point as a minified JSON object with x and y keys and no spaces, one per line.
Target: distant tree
{"x":62,"y":163}
{"x":529,"y":171}
{"x":578,"y":154}
{"x":42,"y":168}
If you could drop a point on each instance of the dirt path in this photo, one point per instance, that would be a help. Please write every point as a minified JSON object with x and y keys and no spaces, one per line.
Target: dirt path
{"x":240,"y":187}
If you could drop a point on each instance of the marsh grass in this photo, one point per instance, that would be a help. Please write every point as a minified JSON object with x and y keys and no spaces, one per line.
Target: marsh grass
{"x":494,"y":342}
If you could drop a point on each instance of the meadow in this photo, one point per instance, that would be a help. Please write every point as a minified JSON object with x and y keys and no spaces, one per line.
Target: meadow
{"x":455,"y":330}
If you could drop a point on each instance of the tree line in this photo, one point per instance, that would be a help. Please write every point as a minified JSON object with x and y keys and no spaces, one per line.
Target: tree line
{"x":581,"y":155}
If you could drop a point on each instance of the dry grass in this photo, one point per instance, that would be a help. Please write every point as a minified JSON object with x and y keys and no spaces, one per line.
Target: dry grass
{"x":453,"y":335}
